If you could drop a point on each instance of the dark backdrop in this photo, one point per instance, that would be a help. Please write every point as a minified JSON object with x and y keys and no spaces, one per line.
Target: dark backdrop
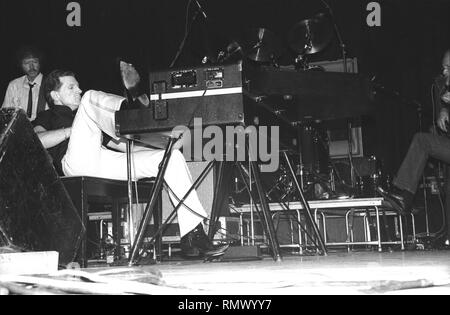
{"x":404,"y":54}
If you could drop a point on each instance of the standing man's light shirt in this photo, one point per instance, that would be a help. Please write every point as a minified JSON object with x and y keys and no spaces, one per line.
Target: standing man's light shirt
{"x":17,"y":94}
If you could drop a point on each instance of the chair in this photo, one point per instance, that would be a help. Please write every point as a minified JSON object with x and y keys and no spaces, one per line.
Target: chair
{"x":85,"y":190}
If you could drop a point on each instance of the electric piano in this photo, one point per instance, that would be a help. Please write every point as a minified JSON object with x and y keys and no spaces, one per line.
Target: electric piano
{"x":235,"y":94}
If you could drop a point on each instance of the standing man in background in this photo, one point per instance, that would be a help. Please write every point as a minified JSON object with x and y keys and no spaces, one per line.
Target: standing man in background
{"x":25,"y":92}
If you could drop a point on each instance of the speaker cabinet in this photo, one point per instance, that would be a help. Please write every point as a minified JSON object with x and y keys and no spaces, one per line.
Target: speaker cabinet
{"x":36,"y":214}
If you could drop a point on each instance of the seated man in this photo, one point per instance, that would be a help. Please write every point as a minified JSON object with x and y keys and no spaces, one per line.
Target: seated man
{"x":72,"y":131}
{"x":423,"y":146}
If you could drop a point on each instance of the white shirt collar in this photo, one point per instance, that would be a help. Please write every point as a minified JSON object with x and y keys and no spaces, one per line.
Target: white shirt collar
{"x":37,"y":81}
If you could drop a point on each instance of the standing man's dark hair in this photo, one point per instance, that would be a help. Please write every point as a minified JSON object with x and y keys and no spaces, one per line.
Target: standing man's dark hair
{"x":29,"y":52}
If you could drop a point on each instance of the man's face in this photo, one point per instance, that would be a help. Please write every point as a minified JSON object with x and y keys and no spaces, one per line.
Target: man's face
{"x":31,"y":67}
{"x":69,"y":94}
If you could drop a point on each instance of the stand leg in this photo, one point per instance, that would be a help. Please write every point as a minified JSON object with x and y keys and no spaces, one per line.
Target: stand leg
{"x":377,"y":212}
{"x":425,"y":204}
{"x":130,"y":193}
{"x":306,"y":206}
{"x":243,"y":173}
{"x":217,"y":200}
{"x":350,"y":155}
{"x":268,"y":226}
{"x":266,"y":213}
{"x":157,"y":219}
{"x":150,"y":206}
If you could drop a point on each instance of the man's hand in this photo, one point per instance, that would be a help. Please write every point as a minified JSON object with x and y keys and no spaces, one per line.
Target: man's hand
{"x":442,"y":121}
{"x":446,"y":97}
{"x":67,"y":132}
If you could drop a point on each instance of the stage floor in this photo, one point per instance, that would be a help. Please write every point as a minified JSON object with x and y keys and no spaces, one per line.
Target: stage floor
{"x":412,"y":272}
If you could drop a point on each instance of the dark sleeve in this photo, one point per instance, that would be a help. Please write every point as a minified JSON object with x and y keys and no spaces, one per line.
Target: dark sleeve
{"x":106,"y":139}
{"x":43,"y":119}
{"x":438,"y":91}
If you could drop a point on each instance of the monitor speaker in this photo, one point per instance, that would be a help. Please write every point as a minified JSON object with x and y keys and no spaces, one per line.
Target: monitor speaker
{"x":36,"y":213}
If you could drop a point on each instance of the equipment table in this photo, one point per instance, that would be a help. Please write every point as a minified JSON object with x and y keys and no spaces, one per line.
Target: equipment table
{"x":357,"y":206}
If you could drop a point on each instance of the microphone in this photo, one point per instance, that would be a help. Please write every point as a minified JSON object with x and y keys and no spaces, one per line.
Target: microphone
{"x":446,"y":73}
{"x":442,"y":80}
{"x":201,"y":9}
{"x":258,"y":45}
{"x":254,"y":98}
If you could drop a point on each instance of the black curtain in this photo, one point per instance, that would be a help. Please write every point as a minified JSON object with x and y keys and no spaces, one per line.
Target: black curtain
{"x":403,"y":55}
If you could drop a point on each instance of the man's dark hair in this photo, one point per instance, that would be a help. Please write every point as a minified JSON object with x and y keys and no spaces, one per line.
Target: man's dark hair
{"x":29,"y":52}
{"x":53,"y":83}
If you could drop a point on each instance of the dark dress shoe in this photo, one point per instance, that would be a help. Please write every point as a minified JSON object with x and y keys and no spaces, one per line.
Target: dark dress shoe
{"x":396,"y":201}
{"x":197,"y":244}
{"x":442,"y":244}
{"x":130,"y":78}
{"x":131,"y":81}
{"x":446,"y":244}
{"x":136,"y":104}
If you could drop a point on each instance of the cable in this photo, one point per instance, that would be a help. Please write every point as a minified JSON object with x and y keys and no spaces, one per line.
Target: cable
{"x":191,"y":210}
{"x":197,"y":107}
{"x":184,"y":204}
{"x":433,"y":102}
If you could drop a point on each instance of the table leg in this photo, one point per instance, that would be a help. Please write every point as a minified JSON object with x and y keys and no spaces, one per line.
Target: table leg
{"x":377,"y":212}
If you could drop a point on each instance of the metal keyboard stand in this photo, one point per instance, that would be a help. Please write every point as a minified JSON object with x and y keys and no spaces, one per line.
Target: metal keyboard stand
{"x":306,"y":206}
{"x":148,"y":213}
{"x":218,"y":199}
{"x":269,"y":227}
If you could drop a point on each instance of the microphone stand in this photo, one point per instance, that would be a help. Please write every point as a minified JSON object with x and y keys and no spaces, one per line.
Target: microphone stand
{"x":344,"y":60}
{"x":424,"y":181}
{"x":201,"y":9}
{"x":187,"y":30}
{"x":338,"y":35}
